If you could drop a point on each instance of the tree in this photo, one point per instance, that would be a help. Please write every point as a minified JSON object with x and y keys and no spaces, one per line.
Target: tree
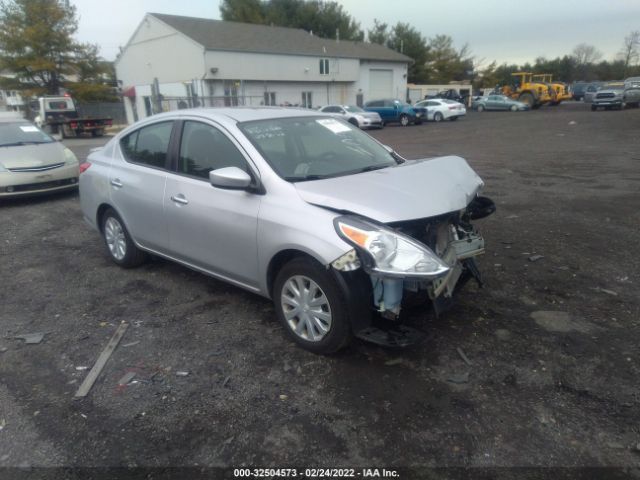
{"x":585,"y":54}
{"x":445,"y":63}
{"x":38,"y":50}
{"x":379,"y":33}
{"x":630,"y":52}
{"x":95,"y":78}
{"x":36,"y":43}
{"x":325,"y":19}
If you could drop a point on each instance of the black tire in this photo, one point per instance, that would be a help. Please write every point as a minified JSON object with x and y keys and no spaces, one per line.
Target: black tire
{"x":437,"y":117}
{"x":404,"y":120}
{"x":97,"y":133}
{"x":480,"y":108}
{"x":453,"y":119}
{"x":133,"y":256}
{"x":528,"y":99}
{"x":339,"y":333}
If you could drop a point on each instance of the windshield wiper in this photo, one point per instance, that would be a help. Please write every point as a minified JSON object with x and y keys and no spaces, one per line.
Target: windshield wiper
{"x":371,"y":168}
{"x":19,"y":144}
{"x":307,"y":177}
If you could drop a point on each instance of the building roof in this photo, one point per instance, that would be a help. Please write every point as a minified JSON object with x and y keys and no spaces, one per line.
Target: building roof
{"x":247,"y":37}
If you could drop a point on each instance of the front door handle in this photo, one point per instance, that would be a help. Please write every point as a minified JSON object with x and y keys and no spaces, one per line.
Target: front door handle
{"x":116,"y":183}
{"x":180,"y":199}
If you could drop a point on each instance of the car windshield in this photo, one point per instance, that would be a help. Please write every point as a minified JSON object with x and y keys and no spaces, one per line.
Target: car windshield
{"x":22,"y":133}
{"x":353,"y":109}
{"x":312,"y":148}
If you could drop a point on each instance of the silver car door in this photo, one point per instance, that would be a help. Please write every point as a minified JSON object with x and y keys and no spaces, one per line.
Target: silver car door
{"x":211,"y":228}
{"x":137,"y":181}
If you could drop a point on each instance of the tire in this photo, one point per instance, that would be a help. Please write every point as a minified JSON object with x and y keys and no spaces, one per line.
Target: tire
{"x":437,"y":117}
{"x":453,"y":119}
{"x":97,"y":133}
{"x":528,"y":99}
{"x":480,"y":108}
{"x":302,"y":274}
{"x":514,"y":108}
{"x":121,"y":248}
{"x":404,"y":120}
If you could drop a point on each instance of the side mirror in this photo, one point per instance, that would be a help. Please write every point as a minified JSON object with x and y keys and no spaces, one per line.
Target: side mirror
{"x":231,"y":178}
{"x":388,"y":148}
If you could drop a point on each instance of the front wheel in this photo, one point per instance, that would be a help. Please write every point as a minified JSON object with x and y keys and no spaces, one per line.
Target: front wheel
{"x":119,"y":243}
{"x":404,"y":120}
{"x":311,"y":306}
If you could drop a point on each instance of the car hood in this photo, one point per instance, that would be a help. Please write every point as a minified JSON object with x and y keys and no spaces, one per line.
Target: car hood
{"x":28,"y":156}
{"x":610,"y":90}
{"x":415,"y":189}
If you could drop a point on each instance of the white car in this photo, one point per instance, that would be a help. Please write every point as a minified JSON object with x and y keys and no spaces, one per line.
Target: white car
{"x":439,"y":109}
{"x":354,"y":115}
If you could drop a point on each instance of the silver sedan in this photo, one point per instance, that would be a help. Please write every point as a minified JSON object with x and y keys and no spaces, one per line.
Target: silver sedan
{"x":293,"y":205}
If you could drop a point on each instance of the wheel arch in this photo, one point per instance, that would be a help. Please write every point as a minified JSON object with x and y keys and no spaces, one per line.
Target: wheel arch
{"x":279,"y":260}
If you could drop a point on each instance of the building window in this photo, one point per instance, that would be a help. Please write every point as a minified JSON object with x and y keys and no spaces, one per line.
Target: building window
{"x":324,"y":66}
{"x":270,"y":98}
{"x":307,"y":101}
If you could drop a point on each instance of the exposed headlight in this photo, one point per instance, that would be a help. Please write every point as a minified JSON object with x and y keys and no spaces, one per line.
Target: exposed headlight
{"x":69,"y":156}
{"x":387,"y":252}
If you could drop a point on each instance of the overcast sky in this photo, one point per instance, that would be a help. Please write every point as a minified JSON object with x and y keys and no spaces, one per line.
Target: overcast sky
{"x":506,"y":31}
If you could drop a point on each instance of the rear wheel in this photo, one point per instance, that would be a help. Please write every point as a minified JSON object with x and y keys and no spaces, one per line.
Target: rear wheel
{"x":119,"y":244}
{"x":437,"y":117}
{"x":514,"y":108}
{"x":404,"y":120}
{"x":311,"y":306}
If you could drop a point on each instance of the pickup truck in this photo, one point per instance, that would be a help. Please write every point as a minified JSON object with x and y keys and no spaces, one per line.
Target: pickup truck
{"x":58,"y":114}
{"x":397,"y":111}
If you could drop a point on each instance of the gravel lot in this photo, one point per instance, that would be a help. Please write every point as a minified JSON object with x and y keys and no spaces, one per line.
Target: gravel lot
{"x":553,"y":343}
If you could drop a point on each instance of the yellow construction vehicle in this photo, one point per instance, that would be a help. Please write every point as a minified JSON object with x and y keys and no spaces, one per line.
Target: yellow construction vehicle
{"x":559,"y":90}
{"x":527,"y":91}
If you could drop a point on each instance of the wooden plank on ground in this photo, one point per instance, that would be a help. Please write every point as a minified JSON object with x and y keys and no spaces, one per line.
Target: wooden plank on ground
{"x":101,"y":362}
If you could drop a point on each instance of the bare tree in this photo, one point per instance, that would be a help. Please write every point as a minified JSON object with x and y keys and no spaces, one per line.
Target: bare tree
{"x":630,"y":53}
{"x":584,"y":54}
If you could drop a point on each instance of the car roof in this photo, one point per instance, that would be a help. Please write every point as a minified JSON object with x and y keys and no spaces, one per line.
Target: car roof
{"x":241,"y":114}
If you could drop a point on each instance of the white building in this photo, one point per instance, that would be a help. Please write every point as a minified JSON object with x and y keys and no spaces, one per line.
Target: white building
{"x":174,"y":62}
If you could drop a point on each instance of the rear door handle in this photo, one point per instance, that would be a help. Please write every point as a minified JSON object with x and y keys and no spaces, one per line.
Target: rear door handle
{"x":180,"y":199}
{"x":116,"y":183}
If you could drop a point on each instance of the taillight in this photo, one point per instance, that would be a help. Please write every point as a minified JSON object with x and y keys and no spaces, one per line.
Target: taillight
{"x":73,"y":125}
{"x":84,"y":166}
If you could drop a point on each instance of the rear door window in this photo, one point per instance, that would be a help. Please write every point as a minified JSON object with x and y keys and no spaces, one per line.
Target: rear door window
{"x":148,"y":145}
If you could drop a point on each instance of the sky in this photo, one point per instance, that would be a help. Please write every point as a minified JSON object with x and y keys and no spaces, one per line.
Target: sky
{"x":505,"y":31}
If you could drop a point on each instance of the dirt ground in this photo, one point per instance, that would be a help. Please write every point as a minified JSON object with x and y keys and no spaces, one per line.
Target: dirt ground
{"x":553,"y":343}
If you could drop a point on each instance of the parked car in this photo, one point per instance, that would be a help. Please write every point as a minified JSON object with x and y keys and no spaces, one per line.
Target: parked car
{"x":396,"y":111}
{"x":31,"y":161}
{"x":292,"y":205}
{"x":498,"y":102}
{"x":632,"y":92}
{"x":590,"y":91}
{"x":442,"y":109}
{"x":610,"y":95}
{"x":578,"y":89}
{"x":450,"y":94}
{"x":354,"y":115}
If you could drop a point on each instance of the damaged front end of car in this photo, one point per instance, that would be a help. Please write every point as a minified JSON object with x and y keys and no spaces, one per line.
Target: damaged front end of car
{"x":426,"y":259}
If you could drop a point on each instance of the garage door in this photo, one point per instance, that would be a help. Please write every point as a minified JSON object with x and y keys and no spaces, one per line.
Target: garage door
{"x":380,"y":84}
